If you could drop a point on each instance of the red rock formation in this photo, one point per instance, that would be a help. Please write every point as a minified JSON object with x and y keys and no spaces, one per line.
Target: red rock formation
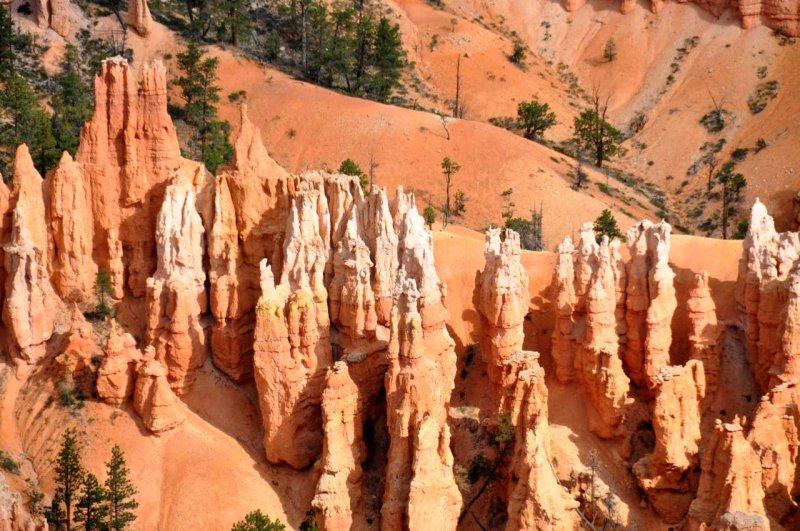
{"x":72,"y":227}
{"x":502,"y":300}
{"x":52,"y":14}
{"x":781,"y":15}
{"x":116,"y":376}
{"x":775,"y":435}
{"x":786,"y":365}
{"x":250,"y":209}
{"x":176,"y":296}
{"x":704,"y":331}
{"x":153,"y":399}
{"x":563,"y":350}
{"x":664,"y":474}
{"x":139,"y":17}
{"x":30,"y":307}
{"x":291,"y":349}
{"x":76,"y":359}
{"x":537,"y":501}
{"x":421,"y":491}
{"x":730,"y":495}
{"x":597,"y":362}
{"x":128,"y":150}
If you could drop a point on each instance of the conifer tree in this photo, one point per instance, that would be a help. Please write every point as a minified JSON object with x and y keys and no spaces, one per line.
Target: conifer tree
{"x":120,"y":491}
{"x":92,"y":509}
{"x":71,"y":103}
{"x":69,"y":475}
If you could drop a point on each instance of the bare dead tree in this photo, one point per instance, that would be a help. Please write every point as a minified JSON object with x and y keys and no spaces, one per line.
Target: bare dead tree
{"x":456,"y":107}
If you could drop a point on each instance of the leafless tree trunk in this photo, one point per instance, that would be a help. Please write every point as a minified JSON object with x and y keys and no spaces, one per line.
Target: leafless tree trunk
{"x":456,"y":106}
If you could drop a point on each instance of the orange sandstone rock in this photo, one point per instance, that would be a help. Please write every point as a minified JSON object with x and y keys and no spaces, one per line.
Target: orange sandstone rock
{"x":563,"y":350}
{"x":291,"y":349}
{"x":730,"y":495}
{"x":139,"y":17}
{"x":502,"y":300}
{"x":30,"y":307}
{"x":52,"y":14}
{"x":704,"y":330}
{"x":536,"y":501}
{"x":665,"y":473}
{"x":72,"y":227}
{"x":250,"y":209}
{"x":154,"y":399}
{"x":421,"y":491}
{"x":116,"y":376}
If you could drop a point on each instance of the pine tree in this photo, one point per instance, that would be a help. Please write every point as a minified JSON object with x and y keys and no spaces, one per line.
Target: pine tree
{"x":69,"y":474}
{"x":8,"y":41}
{"x":54,"y":514}
{"x":535,"y":117}
{"x":198,"y":84}
{"x":387,"y":59}
{"x":92,"y":509}
{"x":121,"y":492}
{"x":71,"y":103}
{"x":606,"y":225}
{"x":23,"y":121}
{"x":258,"y":521}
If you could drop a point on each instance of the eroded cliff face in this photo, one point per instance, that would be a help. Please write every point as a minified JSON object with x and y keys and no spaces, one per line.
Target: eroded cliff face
{"x":781,"y":15}
{"x":331,"y":301}
{"x":52,"y":14}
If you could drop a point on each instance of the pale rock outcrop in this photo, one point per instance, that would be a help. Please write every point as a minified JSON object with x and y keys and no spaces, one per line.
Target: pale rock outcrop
{"x":775,"y":435}
{"x":786,"y":364}
{"x":292,"y":351}
{"x":72,"y":228}
{"x":536,"y":501}
{"x":139,"y":17}
{"x":379,"y":234}
{"x":563,"y":350}
{"x":664,"y":474}
{"x":176,"y":296}
{"x":351,"y":299}
{"x":730,"y":495}
{"x":345,"y":198}
{"x":650,"y":302}
{"x":116,"y":377}
{"x":663,"y":304}
{"x":30,"y":307}
{"x":421,"y":491}
{"x":250,"y":207}
{"x":704,"y":330}
{"x":502,"y":300}
{"x":154,"y":400}
{"x":764,"y":292}
{"x":52,"y":14}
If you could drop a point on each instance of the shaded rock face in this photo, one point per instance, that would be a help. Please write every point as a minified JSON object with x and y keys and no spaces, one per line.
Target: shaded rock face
{"x":128,"y":151}
{"x":502,"y":300}
{"x":536,"y":499}
{"x":704,"y":330}
{"x":781,"y":15}
{"x":767,"y":293}
{"x":52,"y":14}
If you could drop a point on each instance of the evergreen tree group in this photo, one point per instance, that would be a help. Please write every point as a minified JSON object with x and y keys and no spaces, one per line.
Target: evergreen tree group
{"x":24,"y":118}
{"x":81,"y":499}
